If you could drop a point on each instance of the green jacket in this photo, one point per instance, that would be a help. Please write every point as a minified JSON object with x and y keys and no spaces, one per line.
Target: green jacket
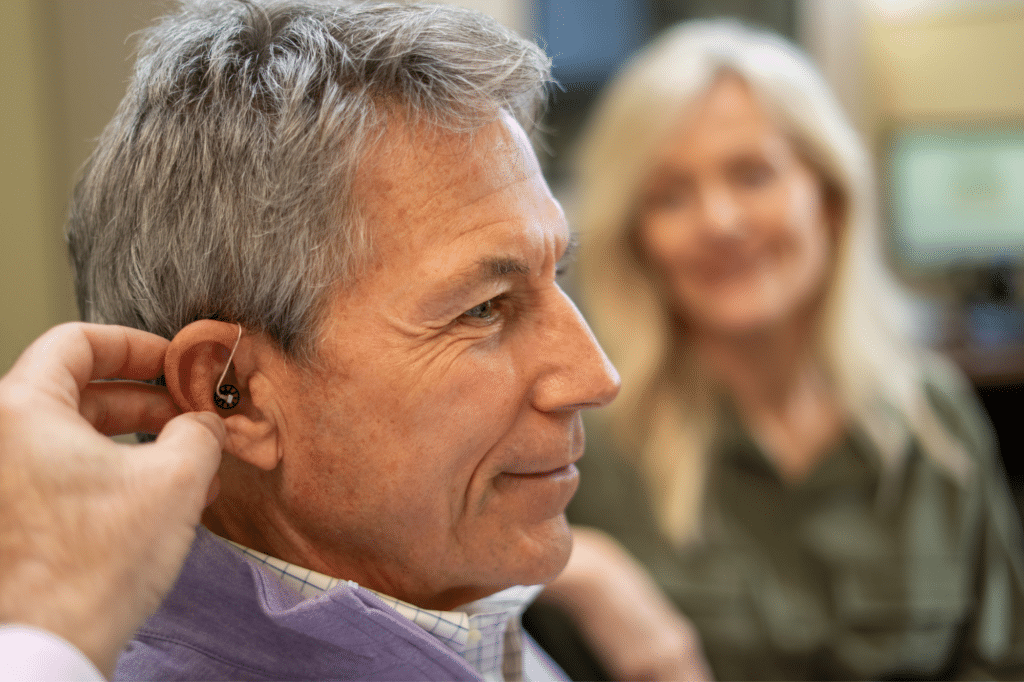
{"x":821,"y":580}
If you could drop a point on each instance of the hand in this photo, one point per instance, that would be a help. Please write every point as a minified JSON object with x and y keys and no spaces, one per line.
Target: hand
{"x":92,"y":532}
{"x":630,"y":625}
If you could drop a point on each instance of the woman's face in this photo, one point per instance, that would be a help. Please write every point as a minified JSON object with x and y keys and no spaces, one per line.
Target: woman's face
{"x":734,"y":220}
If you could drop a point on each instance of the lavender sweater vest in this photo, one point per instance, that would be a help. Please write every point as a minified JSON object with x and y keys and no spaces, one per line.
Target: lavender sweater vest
{"x":226,"y":619}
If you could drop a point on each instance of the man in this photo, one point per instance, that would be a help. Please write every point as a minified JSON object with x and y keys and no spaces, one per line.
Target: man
{"x":335,"y":212}
{"x":92,"y":533}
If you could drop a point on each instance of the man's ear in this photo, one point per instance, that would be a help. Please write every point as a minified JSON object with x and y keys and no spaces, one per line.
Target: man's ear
{"x":195,"y":360}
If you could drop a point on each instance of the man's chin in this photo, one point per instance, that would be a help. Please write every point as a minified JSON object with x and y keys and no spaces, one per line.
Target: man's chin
{"x":547,"y":553}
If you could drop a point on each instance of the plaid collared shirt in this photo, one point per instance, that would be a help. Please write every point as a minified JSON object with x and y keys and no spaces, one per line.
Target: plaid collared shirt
{"x":487,"y":633}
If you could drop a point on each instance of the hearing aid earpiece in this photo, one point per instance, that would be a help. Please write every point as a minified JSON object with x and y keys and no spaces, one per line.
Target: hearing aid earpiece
{"x":227,"y":396}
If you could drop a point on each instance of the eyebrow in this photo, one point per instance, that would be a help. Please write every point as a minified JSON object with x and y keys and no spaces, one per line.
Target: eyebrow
{"x":498,"y":267}
{"x":501,"y":266}
{"x":489,"y":269}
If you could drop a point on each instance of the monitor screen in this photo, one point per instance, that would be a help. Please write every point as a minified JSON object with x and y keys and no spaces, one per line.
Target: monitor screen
{"x":956,"y":196}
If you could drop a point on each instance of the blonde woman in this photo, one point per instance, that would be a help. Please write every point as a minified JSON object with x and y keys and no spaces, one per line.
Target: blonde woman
{"x":819,"y":495}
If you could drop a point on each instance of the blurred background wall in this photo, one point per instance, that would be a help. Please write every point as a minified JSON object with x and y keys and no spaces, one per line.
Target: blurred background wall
{"x":922,"y":79}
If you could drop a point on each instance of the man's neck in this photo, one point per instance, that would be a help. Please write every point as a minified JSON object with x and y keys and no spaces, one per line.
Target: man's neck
{"x":274,"y":537}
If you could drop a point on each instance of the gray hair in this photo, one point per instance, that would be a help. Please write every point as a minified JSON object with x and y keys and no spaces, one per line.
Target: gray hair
{"x":223,"y":187}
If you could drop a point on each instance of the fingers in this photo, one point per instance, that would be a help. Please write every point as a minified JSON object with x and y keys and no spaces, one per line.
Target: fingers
{"x":118,"y":407}
{"x":125,"y":353}
{"x":64,"y":359}
{"x":196,"y":440}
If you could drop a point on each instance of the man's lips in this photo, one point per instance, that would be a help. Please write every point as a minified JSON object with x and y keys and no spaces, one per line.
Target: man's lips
{"x":539,"y":488}
{"x":567,"y":470}
{"x":558,"y":468}
{"x":555,"y":466}
{"x":563,"y":478}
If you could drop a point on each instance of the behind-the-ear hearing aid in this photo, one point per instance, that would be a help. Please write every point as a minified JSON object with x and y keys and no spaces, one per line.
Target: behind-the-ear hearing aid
{"x":227,"y":396}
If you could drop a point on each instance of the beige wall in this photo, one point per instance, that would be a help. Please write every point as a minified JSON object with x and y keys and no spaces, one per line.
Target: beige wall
{"x":962,"y":63}
{"x":891,"y":61}
{"x":31,"y":274}
{"x":63,"y":69}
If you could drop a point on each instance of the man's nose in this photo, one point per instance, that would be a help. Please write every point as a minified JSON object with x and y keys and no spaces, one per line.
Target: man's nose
{"x":575,"y":372}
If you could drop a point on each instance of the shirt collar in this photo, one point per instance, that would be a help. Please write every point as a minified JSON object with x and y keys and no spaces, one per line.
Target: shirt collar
{"x":487,"y":633}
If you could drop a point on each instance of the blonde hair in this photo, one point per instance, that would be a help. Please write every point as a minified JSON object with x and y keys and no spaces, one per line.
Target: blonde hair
{"x":667,"y":410}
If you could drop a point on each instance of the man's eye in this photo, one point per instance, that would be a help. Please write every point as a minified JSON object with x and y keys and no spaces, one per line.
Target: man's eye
{"x":484,"y":311}
{"x":494,"y":311}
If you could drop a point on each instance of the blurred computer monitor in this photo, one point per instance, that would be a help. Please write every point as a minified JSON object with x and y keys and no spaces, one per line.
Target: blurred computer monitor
{"x":955,"y":198}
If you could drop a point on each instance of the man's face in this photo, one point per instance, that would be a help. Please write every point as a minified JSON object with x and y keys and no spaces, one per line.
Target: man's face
{"x":432,"y":458}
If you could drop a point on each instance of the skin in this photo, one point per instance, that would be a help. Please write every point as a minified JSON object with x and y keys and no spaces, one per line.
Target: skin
{"x":92,"y":532}
{"x":432,"y":456}
{"x":735,"y":220}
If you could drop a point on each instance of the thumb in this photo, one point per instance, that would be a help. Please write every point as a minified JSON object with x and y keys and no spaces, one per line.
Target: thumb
{"x":195,"y":440}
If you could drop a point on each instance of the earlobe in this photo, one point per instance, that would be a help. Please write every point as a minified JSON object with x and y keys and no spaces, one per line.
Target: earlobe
{"x":252,"y":433}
